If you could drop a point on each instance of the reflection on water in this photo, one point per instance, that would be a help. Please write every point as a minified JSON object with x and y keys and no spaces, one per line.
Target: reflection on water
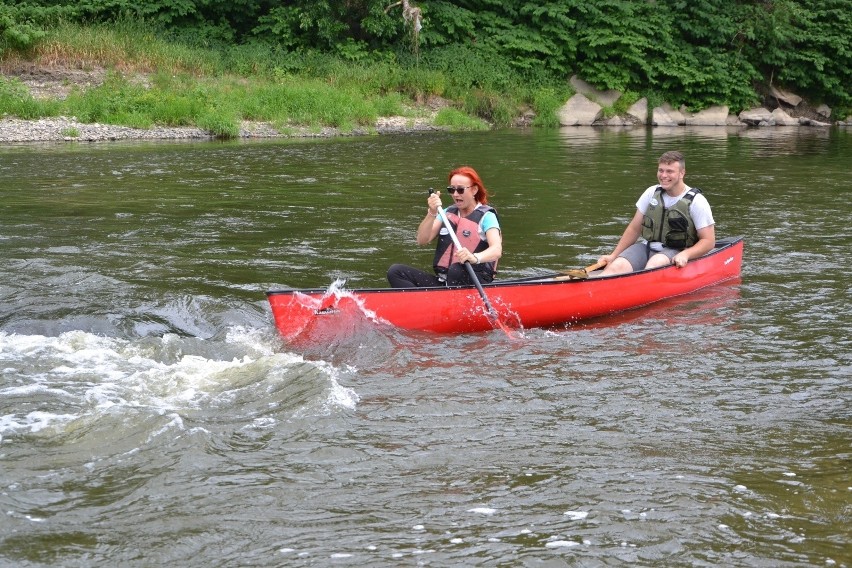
{"x":150,"y":414}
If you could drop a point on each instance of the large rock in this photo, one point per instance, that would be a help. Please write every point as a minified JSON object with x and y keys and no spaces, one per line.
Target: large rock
{"x":662,"y":118}
{"x":666,"y":115}
{"x":639,"y":110}
{"x":617,"y":121}
{"x":604,"y":98}
{"x":804,"y":121}
{"x":757,"y":117}
{"x":785,"y":97}
{"x":579,"y":111}
{"x":713,"y":116}
{"x":784,"y":119}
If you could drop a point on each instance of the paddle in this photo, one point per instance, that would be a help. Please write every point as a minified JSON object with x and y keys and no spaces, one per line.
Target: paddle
{"x":580,"y":273}
{"x":492,"y":313}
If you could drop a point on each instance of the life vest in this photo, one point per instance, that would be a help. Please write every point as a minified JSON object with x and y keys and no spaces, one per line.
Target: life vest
{"x":674,"y":226}
{"x":467,"y":231}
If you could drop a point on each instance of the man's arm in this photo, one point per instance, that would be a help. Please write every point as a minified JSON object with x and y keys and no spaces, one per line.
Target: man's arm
{"x":630,"y":236}
{"x":706,"y":241}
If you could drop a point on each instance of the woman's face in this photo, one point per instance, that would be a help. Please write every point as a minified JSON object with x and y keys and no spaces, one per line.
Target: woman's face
{"x":466,"y":199}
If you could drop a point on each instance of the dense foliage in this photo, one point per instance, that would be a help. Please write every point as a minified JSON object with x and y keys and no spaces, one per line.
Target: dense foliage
{"x":693,"y":52}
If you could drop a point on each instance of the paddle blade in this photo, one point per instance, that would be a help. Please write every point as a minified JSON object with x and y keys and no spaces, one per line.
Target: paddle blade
{"x":510,"y":333}
{"x":580,"y":273}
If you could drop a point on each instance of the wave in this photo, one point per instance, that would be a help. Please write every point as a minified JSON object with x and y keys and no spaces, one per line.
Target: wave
{"x":78,"y":383}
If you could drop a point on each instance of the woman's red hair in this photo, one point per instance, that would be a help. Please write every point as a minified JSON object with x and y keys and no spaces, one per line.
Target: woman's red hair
{"x":482,"y":194}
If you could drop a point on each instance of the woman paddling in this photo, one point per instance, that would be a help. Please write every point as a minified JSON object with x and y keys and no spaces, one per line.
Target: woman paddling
{"x":476,"y":226}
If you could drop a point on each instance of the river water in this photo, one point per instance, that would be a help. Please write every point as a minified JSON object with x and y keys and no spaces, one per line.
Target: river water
{"x":151,"y":415}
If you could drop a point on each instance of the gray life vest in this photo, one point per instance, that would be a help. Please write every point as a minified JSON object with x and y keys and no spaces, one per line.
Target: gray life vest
{"x":674,"y":226}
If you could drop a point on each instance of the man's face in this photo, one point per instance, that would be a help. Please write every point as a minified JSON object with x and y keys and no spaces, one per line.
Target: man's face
{"x":670,"y":174}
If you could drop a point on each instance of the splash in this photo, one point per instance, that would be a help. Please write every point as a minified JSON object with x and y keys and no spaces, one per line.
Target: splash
{"x":309,"y":318}
{"x":78,"y":383}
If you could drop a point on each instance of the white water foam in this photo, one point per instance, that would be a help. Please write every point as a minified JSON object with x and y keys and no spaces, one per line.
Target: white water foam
{"x":49,"y":382}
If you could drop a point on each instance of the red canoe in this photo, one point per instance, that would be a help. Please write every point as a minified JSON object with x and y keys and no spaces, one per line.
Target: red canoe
{"x":541,"y":301}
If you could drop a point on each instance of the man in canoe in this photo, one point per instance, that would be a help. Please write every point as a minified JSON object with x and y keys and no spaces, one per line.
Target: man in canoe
{"x":672,"y":225}
{"x":477,"y":230}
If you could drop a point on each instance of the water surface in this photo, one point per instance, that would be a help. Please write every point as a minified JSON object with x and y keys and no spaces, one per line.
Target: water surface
{"x":151,"y":415}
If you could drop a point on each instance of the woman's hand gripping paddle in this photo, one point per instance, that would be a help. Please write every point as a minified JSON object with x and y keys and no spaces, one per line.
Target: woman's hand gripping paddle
{"x":492,"y":313}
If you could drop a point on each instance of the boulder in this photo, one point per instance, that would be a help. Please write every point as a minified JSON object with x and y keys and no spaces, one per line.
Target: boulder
{"x":639,"y":110}
{"x":784,"y":119}
{"x":824,"y":110}
{"x":604,"y":98}
{"x":579,"y":111}
{"x":804,"y":121}
{"x":785,"y":97}
{"x":756,"y":116}
{"x":662,"y":118}
{"x":712,"y":116}
{"x":617,"y":121}
{"x":670,"y":115}
{"x":666,"y":115}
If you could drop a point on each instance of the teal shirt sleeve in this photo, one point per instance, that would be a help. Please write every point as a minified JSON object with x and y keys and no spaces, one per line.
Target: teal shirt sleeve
{"x":488,"y":221}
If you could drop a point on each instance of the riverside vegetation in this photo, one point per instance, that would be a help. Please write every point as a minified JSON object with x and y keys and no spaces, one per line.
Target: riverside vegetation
{"x":315,"y":64}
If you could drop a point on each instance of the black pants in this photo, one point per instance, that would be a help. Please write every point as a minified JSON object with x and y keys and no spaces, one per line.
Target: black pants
{"x":403,"y":276}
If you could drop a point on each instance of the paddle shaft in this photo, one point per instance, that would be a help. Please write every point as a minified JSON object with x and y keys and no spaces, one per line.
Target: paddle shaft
{"x":471,"y":272}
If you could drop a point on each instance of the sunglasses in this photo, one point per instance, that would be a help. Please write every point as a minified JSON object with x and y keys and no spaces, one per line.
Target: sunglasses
{"x":451,"y":189}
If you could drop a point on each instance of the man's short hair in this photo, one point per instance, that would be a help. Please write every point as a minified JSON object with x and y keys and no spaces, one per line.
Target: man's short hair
{"x":673,"y":156}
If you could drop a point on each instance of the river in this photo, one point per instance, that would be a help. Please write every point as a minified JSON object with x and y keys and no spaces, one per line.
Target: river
{"x":151,"y":415}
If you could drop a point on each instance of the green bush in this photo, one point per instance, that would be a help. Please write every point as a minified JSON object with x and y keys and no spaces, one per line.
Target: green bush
{"x":457,"y":120}
{"x":222,"y":124}
{"x":545,"y":103}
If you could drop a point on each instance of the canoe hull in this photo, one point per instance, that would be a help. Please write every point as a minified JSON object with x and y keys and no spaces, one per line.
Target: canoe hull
{"x":525,"y":303}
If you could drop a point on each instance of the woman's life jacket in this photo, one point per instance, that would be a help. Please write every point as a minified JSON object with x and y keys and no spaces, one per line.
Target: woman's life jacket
{"x":674,"y":226}
{"x":467,"y":231}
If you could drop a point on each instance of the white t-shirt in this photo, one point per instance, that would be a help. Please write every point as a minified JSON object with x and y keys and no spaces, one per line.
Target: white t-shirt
{"x":699,"y":209}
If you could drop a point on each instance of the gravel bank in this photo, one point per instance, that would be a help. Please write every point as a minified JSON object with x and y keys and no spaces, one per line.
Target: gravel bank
{"x":63,"y":129}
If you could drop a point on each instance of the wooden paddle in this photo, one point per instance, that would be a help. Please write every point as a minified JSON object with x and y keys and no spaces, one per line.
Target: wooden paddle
{"x":492,"y":313}
{"x":580,"y":273}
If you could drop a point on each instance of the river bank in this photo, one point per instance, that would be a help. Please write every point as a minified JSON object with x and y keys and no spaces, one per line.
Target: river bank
{"x":57,"y":83}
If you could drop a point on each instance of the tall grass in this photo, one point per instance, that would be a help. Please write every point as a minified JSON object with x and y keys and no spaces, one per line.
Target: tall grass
{"x":15,"y":100}
{"x":125,"y":46}
{"x":153,"y":81}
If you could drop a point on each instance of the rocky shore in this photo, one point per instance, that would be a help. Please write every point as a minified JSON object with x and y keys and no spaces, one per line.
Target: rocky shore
{"x":780,"y":108}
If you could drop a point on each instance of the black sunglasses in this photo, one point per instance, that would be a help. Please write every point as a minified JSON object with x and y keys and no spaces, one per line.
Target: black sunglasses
{"x":451,"y":189}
